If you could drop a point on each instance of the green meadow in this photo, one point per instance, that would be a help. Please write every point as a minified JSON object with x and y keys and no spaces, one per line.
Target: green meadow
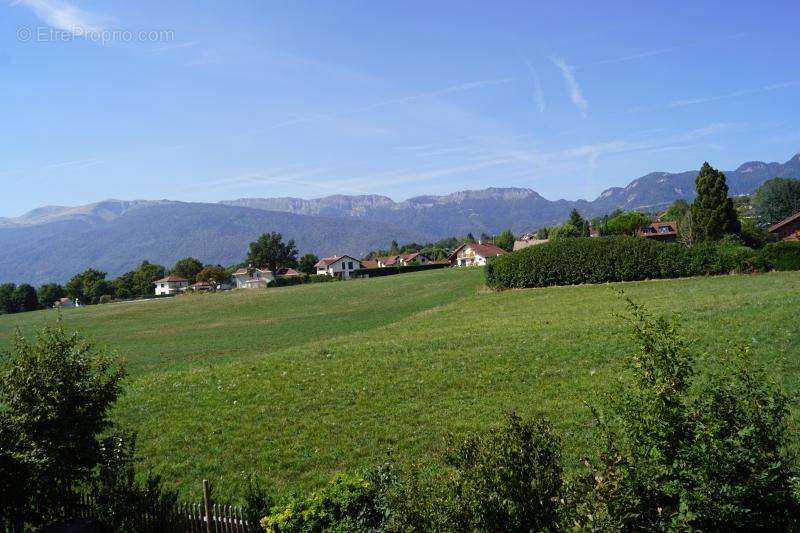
{"x":294,"y":384}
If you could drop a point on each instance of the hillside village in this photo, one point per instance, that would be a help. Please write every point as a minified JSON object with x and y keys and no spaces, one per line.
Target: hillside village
{"x":271,"y":262}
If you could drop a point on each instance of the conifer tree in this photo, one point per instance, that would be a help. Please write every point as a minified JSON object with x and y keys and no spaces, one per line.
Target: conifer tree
{"x":713,"y":214}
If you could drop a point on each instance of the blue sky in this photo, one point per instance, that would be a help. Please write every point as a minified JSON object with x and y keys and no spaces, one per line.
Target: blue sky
{"x":221,"y":100}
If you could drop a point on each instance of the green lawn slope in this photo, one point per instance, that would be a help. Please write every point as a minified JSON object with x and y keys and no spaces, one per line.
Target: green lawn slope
{"x":294,"y":384}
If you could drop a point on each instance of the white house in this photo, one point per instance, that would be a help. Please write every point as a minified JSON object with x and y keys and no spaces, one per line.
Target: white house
{"x":65,"y":302}
{"x":413,"y":258}
{"x":340,"y":266}
{"x":252,"y":278}
{"x":474,"y":254}
{"x":170,"y":285}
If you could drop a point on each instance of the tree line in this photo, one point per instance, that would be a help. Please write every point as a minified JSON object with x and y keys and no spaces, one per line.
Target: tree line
{"x":93,"y":286}
{"x":712,"y":216}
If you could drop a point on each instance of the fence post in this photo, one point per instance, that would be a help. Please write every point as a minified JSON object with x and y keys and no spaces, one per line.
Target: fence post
{"x":207,"y":506}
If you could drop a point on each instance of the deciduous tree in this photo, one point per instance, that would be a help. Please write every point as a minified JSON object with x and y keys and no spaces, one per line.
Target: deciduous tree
{"x":188,"y":268}
{"x":56,"y":394}
{"x":307,"y":262}
{"x":775,"y":200}
{"x":269,"y":251}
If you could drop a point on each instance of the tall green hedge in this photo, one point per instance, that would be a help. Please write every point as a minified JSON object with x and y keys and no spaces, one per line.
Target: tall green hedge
{"x":784,"y":255}
{"x":397,"y":269}
{"x":600,"y":260}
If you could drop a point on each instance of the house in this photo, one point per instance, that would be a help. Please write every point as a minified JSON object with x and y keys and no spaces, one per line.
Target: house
{"x":787,"y":229}
{"x":526,"y":241}
{"x":63,"y":303}
{"x":369,"y":263}
{"x":386,"y":261}
{"x":414,"y":258}
{"x":474,"y":254}
{"x":286,"y":272}
{"x":662,"y":231}
{"x":340,"y":266}
{"x":202,"y":286}
{"x":170,"y":285}
{"x":252,"y":278}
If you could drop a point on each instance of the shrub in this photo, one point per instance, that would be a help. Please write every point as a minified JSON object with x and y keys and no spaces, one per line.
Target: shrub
{"x":56,"y":394}
{"x":120,"y":499}
{"x":508,"y":479}
{"x":616,"y":258}
{"x":784,"y":255}
{"x":682,"y":456}
{"x":320,"y":278}
{"x":285,"y":282}
{"x":347,"y":503}
{"x":391,"y":270}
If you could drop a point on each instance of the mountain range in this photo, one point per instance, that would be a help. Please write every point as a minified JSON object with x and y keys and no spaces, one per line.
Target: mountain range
{"x":50,"y":244}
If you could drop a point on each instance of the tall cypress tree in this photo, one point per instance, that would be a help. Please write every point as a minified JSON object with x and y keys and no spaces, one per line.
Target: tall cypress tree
{"x":713,"y":214}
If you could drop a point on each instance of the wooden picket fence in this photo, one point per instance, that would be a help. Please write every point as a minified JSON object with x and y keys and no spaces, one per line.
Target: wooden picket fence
{"x":203,"y":517}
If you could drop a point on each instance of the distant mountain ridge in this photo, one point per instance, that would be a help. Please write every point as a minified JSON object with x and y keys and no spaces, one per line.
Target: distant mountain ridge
{"x":52,"y":243}
{"x":493,"y":209}
{"x":115,"y":237}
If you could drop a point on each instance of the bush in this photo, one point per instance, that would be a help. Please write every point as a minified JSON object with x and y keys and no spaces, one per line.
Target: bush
{"x":55,"y":396}
{"x":508,"y":479}
{"x":347,"y":503}
{"x":320,"y":278}
{"x":285,"y":282}
{"x":392,"y":270}
{"x":617,"y":258}
{"x":784,"y":255}
{"x":681,"y":455}
{"x":120,"y":500}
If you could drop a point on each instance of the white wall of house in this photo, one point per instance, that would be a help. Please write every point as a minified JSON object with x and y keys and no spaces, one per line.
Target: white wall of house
{"x":257,"y":279}
{"x":342,"y":267}
{"x":164,"y":288}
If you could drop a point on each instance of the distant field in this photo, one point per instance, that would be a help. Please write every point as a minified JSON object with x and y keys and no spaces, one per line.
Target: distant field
{"x":296,"y":383}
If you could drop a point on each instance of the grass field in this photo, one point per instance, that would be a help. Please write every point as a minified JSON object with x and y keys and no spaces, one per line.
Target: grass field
{"x":294,"y":384}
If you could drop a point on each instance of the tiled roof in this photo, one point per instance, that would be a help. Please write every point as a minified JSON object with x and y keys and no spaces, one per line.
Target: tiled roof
{"x":171,"y":278}
{"x":658,"y":229}
{"x":325,"y":261}
{"x":783,"y":222}
{"x":481,"y":249}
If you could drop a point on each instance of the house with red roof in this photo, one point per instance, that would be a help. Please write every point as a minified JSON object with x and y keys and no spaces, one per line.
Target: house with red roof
{"x":252,"y":278}
{"x":474,"y":254}
{"x":787,"y":229}
{"x":338,"y":266}
{"x":661,"y":231}
{"x":170,"y":285}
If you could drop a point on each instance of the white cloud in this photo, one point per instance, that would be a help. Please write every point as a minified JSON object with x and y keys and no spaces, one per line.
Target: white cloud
{"x":176,"y":46}
{"x":63,"y":15}
{"x":573,"y":88}
{"x":537,"y":86}
{"x":675,"y":104}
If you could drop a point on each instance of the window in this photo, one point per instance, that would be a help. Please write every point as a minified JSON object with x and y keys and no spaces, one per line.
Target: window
{"x":350,"y":265}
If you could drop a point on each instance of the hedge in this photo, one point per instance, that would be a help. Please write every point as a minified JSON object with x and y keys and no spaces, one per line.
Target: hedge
{"x":784,"y":255}
{"x":599,"y":260}
{"x":391,"y":270}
